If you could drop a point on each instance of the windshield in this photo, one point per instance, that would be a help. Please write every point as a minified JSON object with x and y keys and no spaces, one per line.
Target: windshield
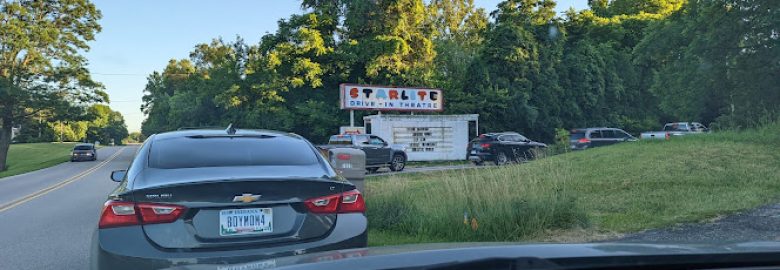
{"x":228,"y":152}
{"x":340,"y":139}
{"x":126,"y":128}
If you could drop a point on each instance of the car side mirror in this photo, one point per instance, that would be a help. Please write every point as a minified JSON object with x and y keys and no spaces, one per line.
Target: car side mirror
{"x":118,"y":176}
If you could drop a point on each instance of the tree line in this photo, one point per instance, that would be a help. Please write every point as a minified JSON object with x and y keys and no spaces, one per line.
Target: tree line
{"x":45,"y":87}
{"x":632,"y":64}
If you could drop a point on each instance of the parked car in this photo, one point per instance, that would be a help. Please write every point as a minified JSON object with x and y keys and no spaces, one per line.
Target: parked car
{"x":502,"y":148}
{"x":83,"y":151}
{"x":674,"y":129}
{"x":378,"y":152}
{"x":213,"y":196}
{"x":584,"y":138}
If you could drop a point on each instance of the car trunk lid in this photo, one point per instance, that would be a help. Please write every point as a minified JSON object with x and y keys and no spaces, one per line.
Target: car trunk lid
{"x":236,"y":212}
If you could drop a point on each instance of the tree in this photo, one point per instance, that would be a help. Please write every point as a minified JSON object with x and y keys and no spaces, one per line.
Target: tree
{"x":108,"y":126}
{"x":40,"y":65}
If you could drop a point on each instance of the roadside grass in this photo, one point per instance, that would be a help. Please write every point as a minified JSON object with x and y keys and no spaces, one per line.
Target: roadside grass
{"x":26,"y":157}
{"x":608,"y":191}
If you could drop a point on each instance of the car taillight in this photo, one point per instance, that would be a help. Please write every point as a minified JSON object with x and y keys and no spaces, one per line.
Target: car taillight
{"x":347,"y":202}
{"x":118,"y":214}
{"x":667,"y":136}
{"x":344,"y":156}
{"x":485,"y":145}
{"x":352,"y":202}
{"x":159,"y":213}
{"x":583,"y":140}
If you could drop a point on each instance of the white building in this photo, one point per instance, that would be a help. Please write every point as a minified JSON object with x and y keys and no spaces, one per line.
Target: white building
{"x":425,"y":137}
{"x":15,"y":132}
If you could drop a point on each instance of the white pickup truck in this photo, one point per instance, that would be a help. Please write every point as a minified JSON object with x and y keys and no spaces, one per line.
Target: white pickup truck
{"x":674,"y":129}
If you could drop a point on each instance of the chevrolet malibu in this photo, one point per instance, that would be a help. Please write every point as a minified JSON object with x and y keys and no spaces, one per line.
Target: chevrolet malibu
{"x":218,"y":196}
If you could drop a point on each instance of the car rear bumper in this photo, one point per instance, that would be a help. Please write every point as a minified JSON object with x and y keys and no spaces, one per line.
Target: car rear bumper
{"x":81,"y":157}
{"x":128,"y":248}
{"x":481,"y":157}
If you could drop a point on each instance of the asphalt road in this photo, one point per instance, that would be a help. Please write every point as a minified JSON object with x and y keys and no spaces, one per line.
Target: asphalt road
{"x":759,"y":224}
{"x":47,"y":217}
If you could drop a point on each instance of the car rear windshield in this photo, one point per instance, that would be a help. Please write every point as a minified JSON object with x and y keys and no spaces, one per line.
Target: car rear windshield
{"x":185,"y":152}
{"x":577,"y":135}
{"x":83,"y":147}
{"x":338,"y":139}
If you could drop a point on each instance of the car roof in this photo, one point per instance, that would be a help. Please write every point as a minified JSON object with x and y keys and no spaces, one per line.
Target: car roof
{"x":83,"y":144}
{"x":590,"y":129}
{"x":502,"y":133}
{"x":217,"y":132}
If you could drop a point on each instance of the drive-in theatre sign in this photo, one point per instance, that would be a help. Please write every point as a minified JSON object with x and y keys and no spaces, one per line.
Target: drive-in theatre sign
{"x":385,"y":98}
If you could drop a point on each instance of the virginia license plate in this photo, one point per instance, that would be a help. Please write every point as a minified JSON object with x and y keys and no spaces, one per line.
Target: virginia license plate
{"x":245,"y":221}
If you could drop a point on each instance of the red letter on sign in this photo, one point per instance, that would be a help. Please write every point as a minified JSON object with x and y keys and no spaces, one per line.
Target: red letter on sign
{"x":393,"y":94}
{"x":422,"y":95}
{"x":353,"y":93}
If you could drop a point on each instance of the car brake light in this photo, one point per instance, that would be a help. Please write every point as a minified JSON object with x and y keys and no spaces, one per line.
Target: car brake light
{"x":667,"y":136}
{"x":583,"y":140}
{"x":344,"y":156}
{"x":352,"y":202}
{"x":485,"y":145}
{"x":347,"y":202}
{"x":159,"y":213}
{"x":118,"y":214}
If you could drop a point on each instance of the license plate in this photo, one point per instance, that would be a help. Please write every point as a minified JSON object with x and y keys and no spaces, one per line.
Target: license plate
{"x":250,"y":266}
{"x":473,"y":152}
{"x":245,"y":221}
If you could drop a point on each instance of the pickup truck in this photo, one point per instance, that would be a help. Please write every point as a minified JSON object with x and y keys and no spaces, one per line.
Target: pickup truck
{"x":674,"y":129}
{"x":378,"y":153}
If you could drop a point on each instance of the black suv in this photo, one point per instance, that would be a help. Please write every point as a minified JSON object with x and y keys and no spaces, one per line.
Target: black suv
{"x":584,"y":138}
{"x":502,"y":148}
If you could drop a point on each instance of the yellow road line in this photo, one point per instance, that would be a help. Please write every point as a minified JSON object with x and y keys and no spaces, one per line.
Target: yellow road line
{"x":60,"y":184}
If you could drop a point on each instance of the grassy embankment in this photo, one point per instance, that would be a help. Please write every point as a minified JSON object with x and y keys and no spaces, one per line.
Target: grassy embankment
{"x":580,"y":196}
{"x":26,"y":157}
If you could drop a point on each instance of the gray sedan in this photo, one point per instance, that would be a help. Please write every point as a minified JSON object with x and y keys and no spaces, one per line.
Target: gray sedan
{"x":213,"y":195}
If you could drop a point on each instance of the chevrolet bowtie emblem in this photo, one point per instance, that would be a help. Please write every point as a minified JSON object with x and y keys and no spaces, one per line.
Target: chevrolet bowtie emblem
{"x":246,"y":198}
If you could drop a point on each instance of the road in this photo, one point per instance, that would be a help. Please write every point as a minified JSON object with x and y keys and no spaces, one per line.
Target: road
{"x":47,"y":217}
{"x":758,"y":224}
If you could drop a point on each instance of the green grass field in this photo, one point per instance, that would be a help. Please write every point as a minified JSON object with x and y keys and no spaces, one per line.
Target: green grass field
{"x":579,"y":196}
{"x":25,"y":157}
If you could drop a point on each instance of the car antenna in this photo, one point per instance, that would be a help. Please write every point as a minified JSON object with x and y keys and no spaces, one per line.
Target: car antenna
{"x":230,"y":129}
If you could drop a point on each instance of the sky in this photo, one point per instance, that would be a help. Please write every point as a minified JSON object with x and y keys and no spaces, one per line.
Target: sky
{"x":140,"y":36}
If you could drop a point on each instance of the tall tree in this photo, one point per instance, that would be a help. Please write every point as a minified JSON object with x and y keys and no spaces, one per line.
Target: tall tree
{"x":40,"y":65}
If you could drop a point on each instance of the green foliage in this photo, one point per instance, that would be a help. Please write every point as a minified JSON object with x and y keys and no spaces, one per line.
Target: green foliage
{"x":627,"y":64}
{"x":41,"y":69}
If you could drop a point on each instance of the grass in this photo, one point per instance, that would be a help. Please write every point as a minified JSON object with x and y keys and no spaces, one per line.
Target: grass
{"x":26,"y":157}
{"x":581,"y":195}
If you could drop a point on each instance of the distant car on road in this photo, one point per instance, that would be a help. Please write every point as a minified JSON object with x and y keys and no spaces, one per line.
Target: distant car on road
{"x":216,"y":196}
{"x":83,"y":151}
{"x":378,"y":152}
{"x":584,"y":138}
{"x":502,"y":148}
{"x":674,"y":129}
